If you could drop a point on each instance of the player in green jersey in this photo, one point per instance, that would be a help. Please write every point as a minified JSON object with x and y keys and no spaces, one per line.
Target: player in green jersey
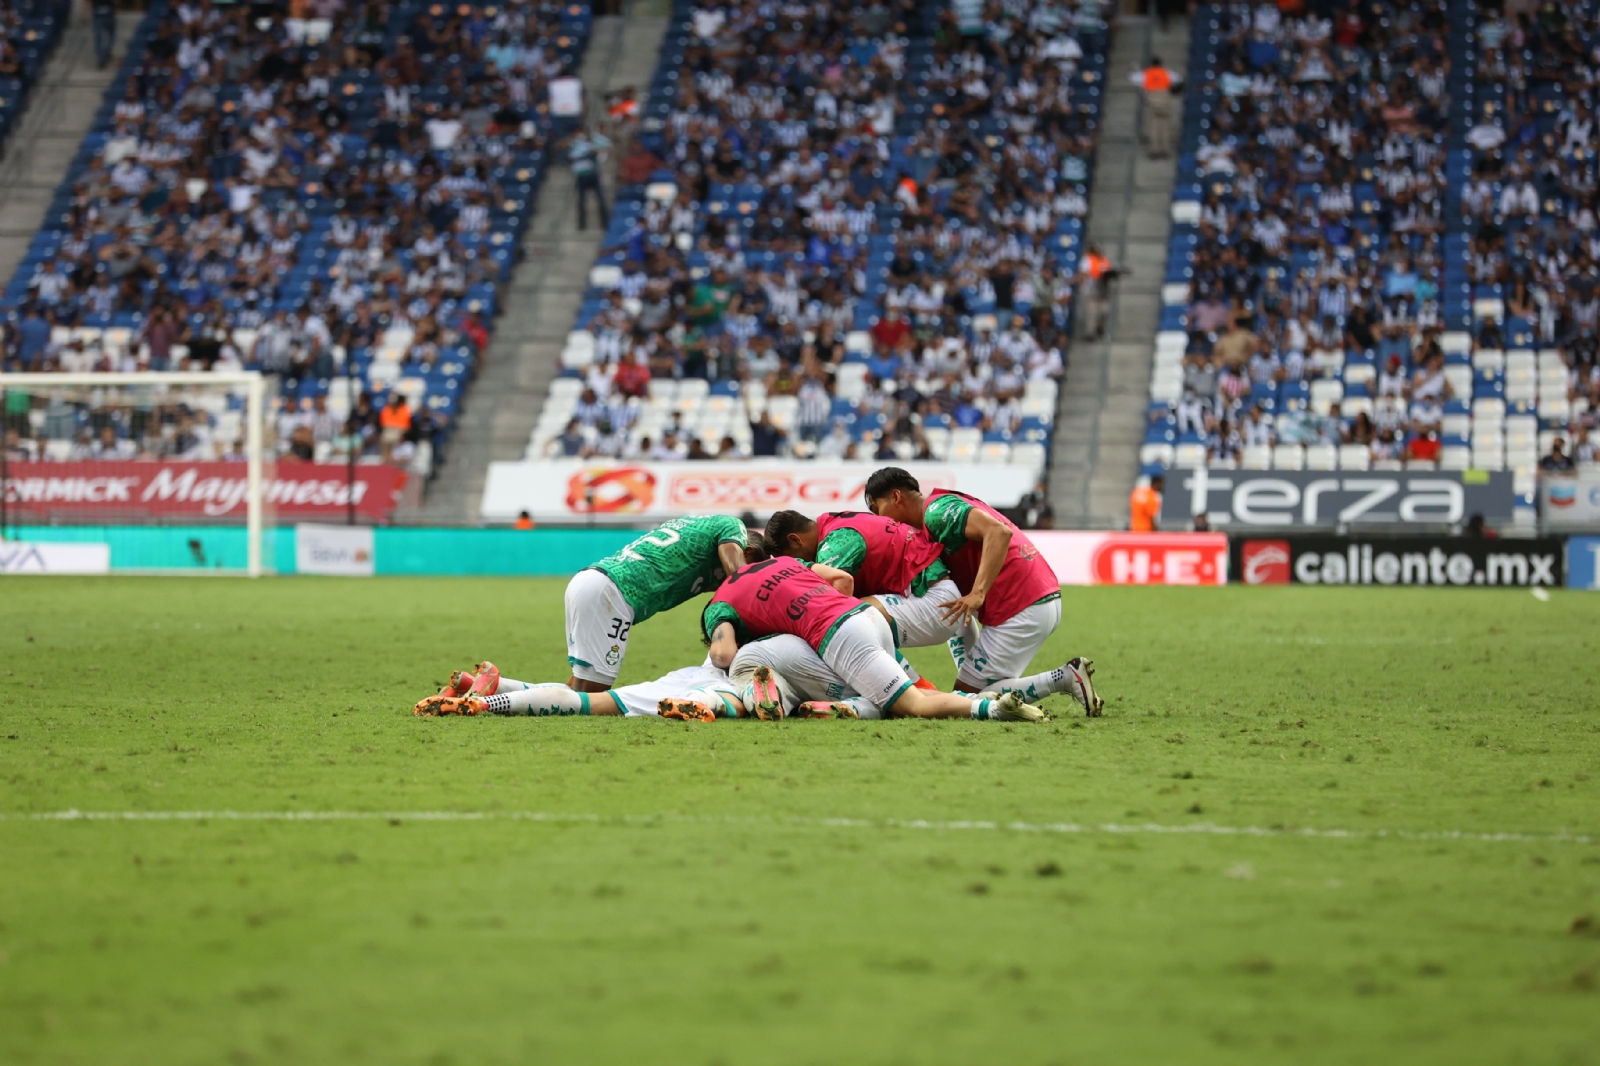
{"x":670,"y":564}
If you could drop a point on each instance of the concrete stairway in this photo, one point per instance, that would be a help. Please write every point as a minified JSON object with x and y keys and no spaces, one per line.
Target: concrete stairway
{"x":503,"y":406}
{"x":43,"y":142}
{"x":1100,"y":423}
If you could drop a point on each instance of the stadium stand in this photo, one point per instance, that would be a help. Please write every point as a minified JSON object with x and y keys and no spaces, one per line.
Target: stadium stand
{"x":804,"y":260}
{"x":1382,"y":246}
{"x":333,"y":199}
{"x":29,"y":32}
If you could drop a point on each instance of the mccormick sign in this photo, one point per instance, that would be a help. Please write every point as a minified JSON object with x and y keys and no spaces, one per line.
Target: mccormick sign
{"x":111,"y":491}
{"x":561,"y":490}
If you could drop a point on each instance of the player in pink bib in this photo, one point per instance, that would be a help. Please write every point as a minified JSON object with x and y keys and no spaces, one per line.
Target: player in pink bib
{"x":897,"y":568}
{"x":815,"y":604}
{"x":1004,"y":582}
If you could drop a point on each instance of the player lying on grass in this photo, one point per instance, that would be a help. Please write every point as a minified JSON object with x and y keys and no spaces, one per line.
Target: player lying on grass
{"x":782,"y":676}
{"x":898,"y":570}
{"x":672,"y":563}
{"x":813,"y":602}
{"x":1004,"y":582}
{"x":775,"y":677}
{"x":702,"y":693}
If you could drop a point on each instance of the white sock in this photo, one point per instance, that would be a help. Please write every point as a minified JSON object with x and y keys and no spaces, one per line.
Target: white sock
{"x":509,"y":685}
{"x":1036,"y":686}
{"x":981,"y":709}
{"x":711,"y":698}
{"x":538,"y":700}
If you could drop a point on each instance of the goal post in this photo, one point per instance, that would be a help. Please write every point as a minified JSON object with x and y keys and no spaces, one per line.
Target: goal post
{"x":139,"y":447}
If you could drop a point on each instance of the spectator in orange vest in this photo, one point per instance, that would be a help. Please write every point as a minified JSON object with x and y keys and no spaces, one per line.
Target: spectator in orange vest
{"x":1158,"y":84}
{"x":1095,"y":287}
{"x":394,"y":420}
{"x":524,"y":521}
{"x":1144,"y":506}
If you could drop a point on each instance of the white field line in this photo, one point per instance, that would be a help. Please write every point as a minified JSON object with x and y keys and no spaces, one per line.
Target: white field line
{"x":1191,"y":829}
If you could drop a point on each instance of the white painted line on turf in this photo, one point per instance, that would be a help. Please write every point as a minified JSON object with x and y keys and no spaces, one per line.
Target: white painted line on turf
{"x":1191,"y":829}
{"x":1540,"y":594}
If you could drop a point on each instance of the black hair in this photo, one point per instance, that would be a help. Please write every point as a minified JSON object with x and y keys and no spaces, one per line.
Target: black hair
{"x":780,"y":525}
{"x":885,"y":480}
{"x":756,"y":550}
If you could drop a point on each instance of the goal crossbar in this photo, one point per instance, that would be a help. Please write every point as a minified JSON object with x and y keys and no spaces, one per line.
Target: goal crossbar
{"x":255,"y":404}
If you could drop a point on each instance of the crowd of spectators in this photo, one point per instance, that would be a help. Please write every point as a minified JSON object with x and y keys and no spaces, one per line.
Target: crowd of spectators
{"x":330,"y":191}
{"x":1385,"y":233}
{"x":29,"y":30}
{"x":851,"y":232}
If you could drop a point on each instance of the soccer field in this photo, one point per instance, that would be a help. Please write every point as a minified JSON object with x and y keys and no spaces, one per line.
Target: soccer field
{"x":1314,"y":825}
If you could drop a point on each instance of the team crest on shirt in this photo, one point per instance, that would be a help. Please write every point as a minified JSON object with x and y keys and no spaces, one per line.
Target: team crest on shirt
{"x":614,"y":656}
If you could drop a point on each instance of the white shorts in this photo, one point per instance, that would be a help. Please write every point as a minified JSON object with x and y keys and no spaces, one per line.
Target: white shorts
{"x":598,"y":620}
{"x":917,"y":623}
{"x":703,"y":684}
{"x":862,"y":653}
{"x":802,"y":675}
{"x":1004,"y":651}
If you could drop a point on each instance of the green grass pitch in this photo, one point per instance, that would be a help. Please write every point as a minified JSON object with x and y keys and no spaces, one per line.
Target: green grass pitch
{"x":795,"y":893}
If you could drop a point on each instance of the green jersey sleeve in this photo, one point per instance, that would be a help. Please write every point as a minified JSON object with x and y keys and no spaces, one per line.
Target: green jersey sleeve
{"x":843,"y":549}
{"x":672,"y":563}
{"x":945,"y":519}
{"x":935,"y":573}
{"x":717,"y":613}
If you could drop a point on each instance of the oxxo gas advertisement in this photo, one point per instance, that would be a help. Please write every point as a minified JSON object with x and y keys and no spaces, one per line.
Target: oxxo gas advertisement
{"x":1455,"y":561}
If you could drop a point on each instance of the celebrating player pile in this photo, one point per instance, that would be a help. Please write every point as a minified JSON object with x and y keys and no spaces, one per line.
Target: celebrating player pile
{"x":900,"y":571}
{"x":792,"y":637}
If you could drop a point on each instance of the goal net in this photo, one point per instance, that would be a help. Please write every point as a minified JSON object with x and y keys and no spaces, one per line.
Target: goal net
{"x":141,"y":470}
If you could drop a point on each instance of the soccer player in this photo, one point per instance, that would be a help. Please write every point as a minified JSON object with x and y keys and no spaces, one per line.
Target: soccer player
{"x":1006,"y":585}
{"x":898,"y":569}
{"x":782,"y":676}
{"x":887,"y":559}
{"x":813,"y":602}
{"x":665,"y":567}
{"x":699,"y":693}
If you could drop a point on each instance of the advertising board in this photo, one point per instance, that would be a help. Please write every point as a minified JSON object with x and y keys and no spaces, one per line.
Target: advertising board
{"x":1084,"y":558}
{"x":564,"y":489}
{"x":1325,"y":499}
{"x":1459,"y":561}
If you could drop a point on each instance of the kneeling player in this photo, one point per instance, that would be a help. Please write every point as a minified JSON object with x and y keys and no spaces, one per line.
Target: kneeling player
{"x":1005,"y":584}
{"x":898,"y":569}
{"x":667,"y":566}
{"x":700,"y":693}
{"x":813,"y":603}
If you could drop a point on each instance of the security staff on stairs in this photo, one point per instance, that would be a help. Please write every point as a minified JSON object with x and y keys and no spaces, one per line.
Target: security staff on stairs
{"x":1160,"y":104}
